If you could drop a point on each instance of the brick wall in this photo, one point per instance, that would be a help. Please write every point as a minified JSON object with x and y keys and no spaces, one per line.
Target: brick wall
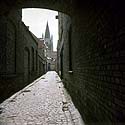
{"x":97,"y":84}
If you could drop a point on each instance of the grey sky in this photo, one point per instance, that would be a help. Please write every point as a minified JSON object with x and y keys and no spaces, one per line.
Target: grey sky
{"x":36,"y":19}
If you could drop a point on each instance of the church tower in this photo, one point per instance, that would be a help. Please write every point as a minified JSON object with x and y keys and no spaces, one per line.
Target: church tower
{"x":47,"y":32}
{"x":51,"y":39}
{"x":50,"y":54}
{"x":48,"y":40}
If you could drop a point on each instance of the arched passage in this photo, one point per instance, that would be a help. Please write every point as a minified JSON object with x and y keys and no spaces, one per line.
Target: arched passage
{"x":97,"y":83}
{"x":58,"y":5}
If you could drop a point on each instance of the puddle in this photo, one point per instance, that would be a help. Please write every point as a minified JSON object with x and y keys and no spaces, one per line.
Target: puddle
{"x":42,"y":78}
{"x":59,"y":81}
{"x":26,"y":91}
{"x":1,"y":110}
{"x":12,"y":100}
{"x":12,"y":116}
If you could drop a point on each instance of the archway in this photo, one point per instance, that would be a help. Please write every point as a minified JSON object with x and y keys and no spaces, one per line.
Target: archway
{"x":58,"y":5}
{"x":98,"y":54}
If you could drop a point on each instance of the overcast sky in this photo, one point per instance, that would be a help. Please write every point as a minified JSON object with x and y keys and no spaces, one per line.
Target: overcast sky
{"x":36,"y":19}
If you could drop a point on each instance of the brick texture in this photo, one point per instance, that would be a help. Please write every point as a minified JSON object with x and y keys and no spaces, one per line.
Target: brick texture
{"x":97,"y":85}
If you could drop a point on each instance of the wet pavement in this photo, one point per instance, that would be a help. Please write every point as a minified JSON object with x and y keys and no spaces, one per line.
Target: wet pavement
{"x":43,"y":102}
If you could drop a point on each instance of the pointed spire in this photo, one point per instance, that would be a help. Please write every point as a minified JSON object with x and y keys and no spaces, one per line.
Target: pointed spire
{"x":47,"y":32}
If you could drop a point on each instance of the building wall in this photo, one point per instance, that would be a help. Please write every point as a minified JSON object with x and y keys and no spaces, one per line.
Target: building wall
{"x":63,"y":45}
{"x":9,"y":35}
{"x":97,"y":54}
{"x":51,"y":60}
{"x":18,"y":55}
{"x":31,"y":44}
{"x":41,"y":65}
{"x":42,"y":57}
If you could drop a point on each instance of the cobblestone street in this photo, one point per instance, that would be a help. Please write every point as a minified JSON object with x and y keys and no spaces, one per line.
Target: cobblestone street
{"x":43,"y":102}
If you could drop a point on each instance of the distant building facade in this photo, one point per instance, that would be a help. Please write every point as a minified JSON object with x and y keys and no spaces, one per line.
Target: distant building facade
{"x":41,"y":55}
{"x":50,"y":54}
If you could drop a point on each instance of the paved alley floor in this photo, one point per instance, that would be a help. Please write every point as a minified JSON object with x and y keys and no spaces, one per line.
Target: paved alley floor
{"x":43,"y":102}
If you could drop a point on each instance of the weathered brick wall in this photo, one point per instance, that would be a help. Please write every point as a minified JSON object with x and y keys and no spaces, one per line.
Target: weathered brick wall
{"x":97,"y":84}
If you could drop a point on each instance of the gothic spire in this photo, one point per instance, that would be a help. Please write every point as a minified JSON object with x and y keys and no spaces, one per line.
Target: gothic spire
{"x":47,"y":32}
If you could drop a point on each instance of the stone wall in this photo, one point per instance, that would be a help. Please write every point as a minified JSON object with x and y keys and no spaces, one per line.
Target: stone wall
{"x":95,"y":75}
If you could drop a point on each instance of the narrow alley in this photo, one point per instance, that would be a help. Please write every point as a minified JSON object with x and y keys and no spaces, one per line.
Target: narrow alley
{"x":43,"y":102}
{"x":89,"y":58}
